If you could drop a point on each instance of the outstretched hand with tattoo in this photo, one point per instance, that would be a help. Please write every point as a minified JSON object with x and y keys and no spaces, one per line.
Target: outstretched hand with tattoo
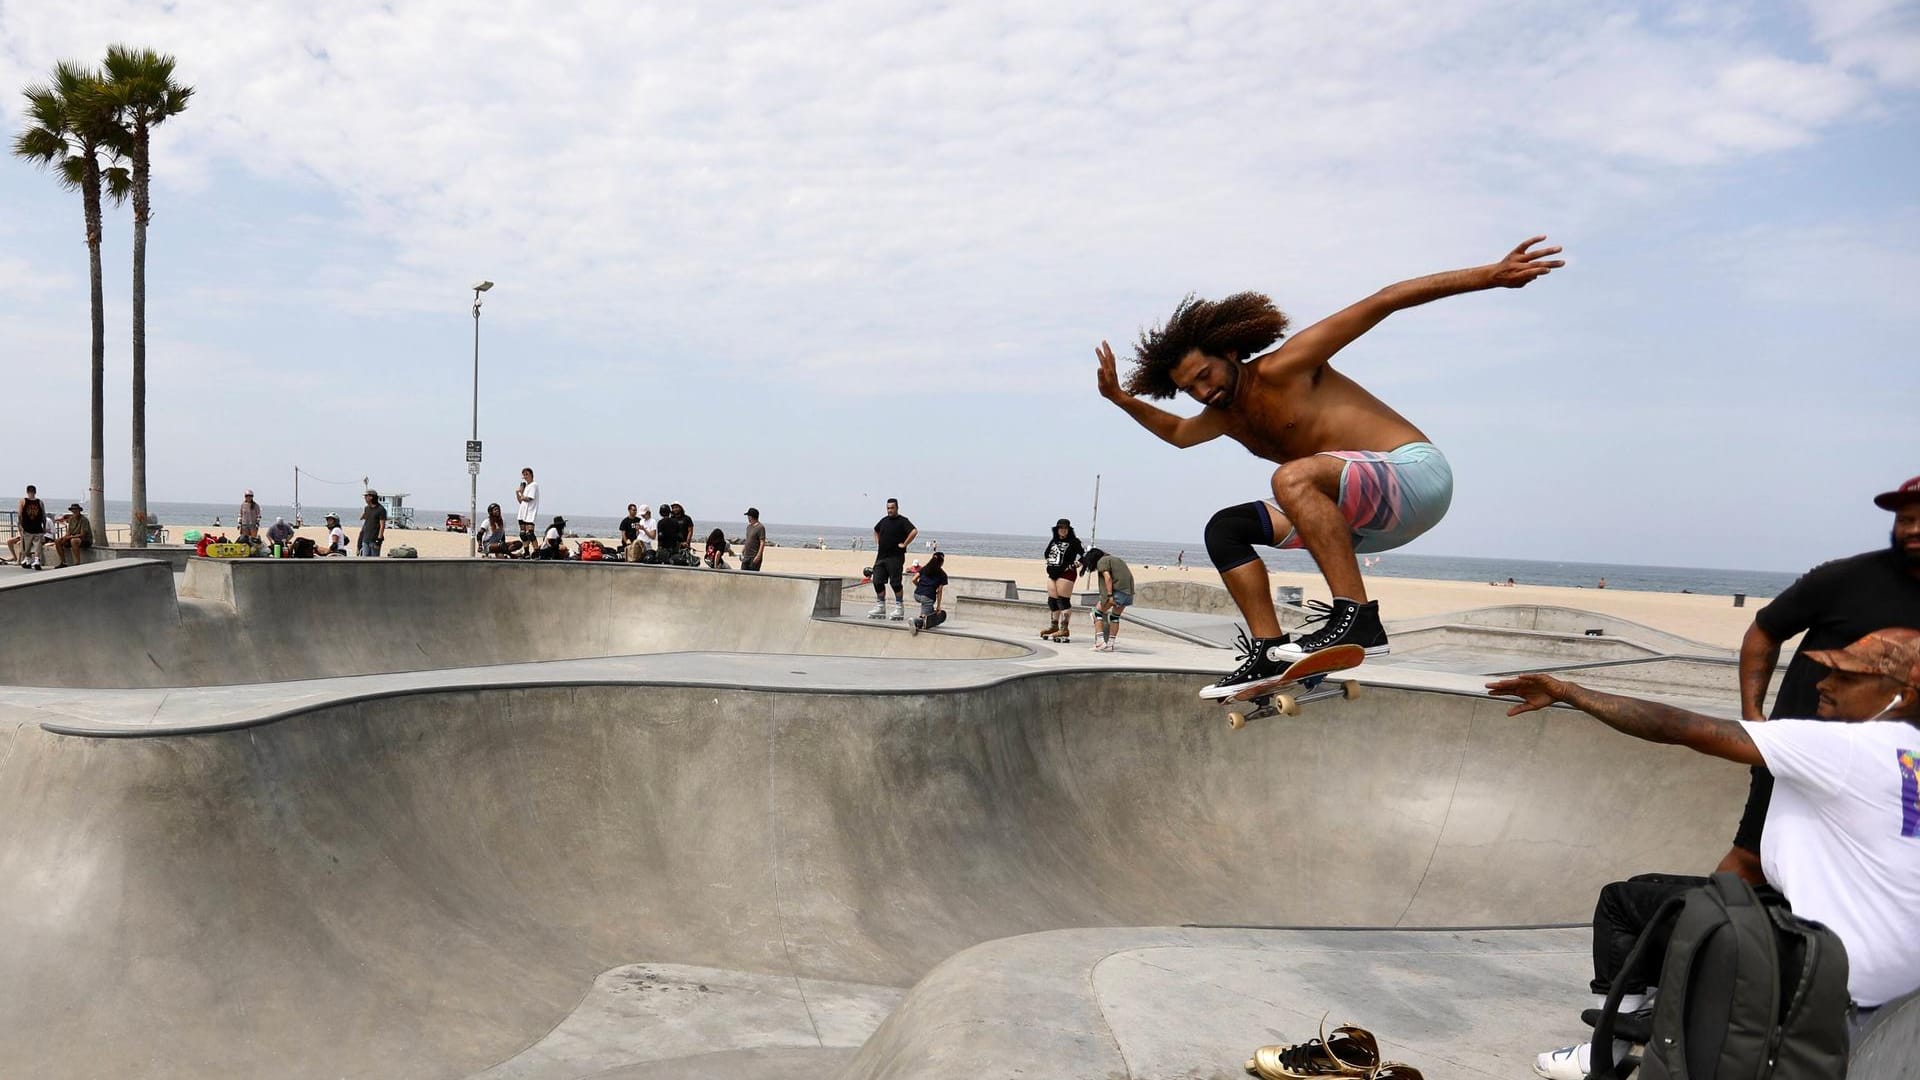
{"x":1534,"y":692}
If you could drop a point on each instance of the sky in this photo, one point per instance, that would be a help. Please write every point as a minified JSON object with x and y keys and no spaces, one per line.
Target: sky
{"x":806,"y":256}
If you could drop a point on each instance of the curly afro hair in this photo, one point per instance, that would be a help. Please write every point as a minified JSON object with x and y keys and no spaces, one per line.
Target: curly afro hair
{"x":1241,"y":326}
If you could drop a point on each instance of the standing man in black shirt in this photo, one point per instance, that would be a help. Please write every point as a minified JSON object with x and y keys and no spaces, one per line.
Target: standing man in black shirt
{"x":1836,"y":603}
{"x":891,"y":537}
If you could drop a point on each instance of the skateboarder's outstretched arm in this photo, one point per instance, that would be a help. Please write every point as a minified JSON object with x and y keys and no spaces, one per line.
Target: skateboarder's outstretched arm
{"x":1181,"y":431}
{"x":1318,"y":343}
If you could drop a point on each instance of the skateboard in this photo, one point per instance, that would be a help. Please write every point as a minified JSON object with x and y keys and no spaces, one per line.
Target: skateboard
{"x":229,"y":551}
{"x":930,"y":621}
{"x":1283,"y":694}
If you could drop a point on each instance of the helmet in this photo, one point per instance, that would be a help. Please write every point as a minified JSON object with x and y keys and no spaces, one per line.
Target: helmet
{"x":192,"y":536}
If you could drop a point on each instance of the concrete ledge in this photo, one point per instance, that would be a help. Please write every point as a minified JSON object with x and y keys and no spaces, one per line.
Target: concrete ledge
{"x":1163,"y":1002}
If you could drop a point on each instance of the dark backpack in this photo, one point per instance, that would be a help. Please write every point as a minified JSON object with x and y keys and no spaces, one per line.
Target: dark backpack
{"x":1748,"y":991}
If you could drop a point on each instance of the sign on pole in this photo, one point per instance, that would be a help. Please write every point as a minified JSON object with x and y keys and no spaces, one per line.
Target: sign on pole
{"x":473,"y":451}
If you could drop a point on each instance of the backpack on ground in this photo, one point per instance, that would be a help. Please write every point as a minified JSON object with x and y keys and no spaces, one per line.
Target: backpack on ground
{"x":1748,"y":991}
{"x":403,"y":551}
{"x":591,"y":551}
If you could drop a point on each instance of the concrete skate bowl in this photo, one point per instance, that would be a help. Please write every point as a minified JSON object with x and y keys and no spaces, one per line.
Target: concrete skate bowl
{"x":426,"y":884}
{"x":261,"y":620}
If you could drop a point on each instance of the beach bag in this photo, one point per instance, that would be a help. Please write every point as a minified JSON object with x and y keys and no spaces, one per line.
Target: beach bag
{"x":302,"y":547}
{"x":591,"y":551}
{"x":403,"y":551}
{"x":1748,"y":991}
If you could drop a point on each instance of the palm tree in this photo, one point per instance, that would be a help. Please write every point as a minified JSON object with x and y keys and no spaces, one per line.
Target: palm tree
{"x":141,"y":89}
{"x":69,"y":127}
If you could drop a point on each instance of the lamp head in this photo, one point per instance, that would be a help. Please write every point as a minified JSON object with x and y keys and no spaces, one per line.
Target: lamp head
{"x":482,"y":286}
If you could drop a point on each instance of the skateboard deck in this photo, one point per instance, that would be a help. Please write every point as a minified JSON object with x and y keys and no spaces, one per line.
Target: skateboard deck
{"x":228,"y":551}
{"x":930,"y":621}
{"x":1283,"y":694}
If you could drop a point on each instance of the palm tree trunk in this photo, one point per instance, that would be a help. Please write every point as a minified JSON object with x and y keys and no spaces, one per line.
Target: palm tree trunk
{"x":140,"y":207}
{"x":97,"y":450}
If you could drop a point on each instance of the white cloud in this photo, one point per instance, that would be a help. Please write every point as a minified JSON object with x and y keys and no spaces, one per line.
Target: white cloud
{"x":1879,"y":36}
{"x":799,"y":168}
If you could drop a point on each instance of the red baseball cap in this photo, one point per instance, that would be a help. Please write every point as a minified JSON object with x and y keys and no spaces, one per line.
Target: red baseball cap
{"x":1905,"y":493}
{"x":1893,"y":652}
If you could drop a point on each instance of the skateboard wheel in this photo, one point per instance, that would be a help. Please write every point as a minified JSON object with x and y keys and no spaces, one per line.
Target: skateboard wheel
{"x":1236,"y":720}
{"x":1285,"y":705}
{"x":1350,"y":689}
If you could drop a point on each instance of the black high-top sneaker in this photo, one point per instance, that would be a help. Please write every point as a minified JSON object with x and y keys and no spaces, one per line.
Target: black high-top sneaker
{"x":1348,"y":624}
{"x":1260,"y":658}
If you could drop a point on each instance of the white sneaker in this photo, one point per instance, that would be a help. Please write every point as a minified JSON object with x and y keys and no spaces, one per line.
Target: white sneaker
{"x":877,"y":611}
{"x":1099,"y":644}
{"x":899,"y":613}
{"x":1566,"y":1063}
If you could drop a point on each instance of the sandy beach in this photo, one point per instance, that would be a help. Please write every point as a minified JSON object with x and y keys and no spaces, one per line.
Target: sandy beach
{"x":1702,"y":617}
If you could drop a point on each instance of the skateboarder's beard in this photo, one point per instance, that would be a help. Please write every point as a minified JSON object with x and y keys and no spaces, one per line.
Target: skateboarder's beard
{"x":1232,"y":389}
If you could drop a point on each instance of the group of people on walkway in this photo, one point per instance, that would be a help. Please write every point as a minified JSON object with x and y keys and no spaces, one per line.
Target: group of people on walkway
{"x":70,"y":536}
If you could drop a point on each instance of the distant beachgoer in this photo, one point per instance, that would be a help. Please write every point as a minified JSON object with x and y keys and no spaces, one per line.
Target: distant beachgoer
{"x":492,"y":535}
{"x":77,"y":538}
{"x":1354,"y":476}
{"x":527,"y":498}
{"x":1180,"y":560}
{"x":554,"y":543}
{"x":32,"y":518}
{"x":892,"y":535}
{"x":929,"y":585}
{"x":248,"y":523}
{"x":822,"y":541}
{"x":373,"y":526}
{"x":336,"y":537}
{"x":1602,"y":585}
{"x":1833,"y":604}
{"x":1062,"y":559}
{"x":1115,"y":580}
{"x":753,"y":548}
{"x":644,"y":535}
{"x":717,"y":550}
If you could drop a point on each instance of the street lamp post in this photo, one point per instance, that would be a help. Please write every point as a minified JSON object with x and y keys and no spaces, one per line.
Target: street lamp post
{"x":473,"y":456}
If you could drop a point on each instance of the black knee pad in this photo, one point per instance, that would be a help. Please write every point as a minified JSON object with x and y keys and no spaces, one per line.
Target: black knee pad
{"x":1053,"y":603}
{"x":1231,"y":534}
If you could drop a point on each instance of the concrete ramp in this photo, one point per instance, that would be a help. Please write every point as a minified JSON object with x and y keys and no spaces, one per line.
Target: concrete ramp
{"x":428,"y":884}
{"x":272,"y":620}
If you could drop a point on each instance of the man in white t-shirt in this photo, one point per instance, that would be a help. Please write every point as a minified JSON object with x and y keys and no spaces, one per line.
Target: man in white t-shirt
{"x":528,"y":495}
{"x":1842,"y":837}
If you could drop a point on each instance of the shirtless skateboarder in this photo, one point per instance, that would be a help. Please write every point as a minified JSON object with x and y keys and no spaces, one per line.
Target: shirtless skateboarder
{"x":1353,"y":476}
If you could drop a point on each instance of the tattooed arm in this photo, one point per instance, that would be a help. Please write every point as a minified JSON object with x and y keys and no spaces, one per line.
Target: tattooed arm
{"x":1647,"y":720}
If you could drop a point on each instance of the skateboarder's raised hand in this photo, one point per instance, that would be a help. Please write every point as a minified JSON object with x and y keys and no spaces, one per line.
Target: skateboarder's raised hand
{"x":1522,"y":265}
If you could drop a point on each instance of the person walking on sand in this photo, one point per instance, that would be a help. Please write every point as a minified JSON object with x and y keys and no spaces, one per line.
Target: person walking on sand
{"x":1353,"y":474}
{"x":1062,"y":558}
{"x":1115,"y":579}
{"x":892,"y":536}
{"x":527,"y":496}
{"x":373,"y":526}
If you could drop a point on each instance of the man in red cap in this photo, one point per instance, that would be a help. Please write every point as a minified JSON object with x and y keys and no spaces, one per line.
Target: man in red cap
{"x":1833,"y":604}
{"x":1843,"y":827}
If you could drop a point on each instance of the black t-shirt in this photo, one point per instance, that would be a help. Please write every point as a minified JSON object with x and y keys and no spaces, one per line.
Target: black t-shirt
{"x":33,"y":516}
{"x":668,"y":535}
{"x":892,"y":532}
{"x":1837,"y":604}
{"x":629,"y":528}
{"x":1064,"y":554}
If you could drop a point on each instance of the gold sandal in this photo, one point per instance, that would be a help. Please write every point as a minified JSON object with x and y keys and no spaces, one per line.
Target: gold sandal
{"x":1349,"y":1052}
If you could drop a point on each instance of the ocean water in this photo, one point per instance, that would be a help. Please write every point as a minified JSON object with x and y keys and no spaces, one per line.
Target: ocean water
{"x":1719,"y":581}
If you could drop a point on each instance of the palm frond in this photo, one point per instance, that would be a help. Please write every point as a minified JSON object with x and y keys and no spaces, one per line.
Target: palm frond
{"x":117,"y":182}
